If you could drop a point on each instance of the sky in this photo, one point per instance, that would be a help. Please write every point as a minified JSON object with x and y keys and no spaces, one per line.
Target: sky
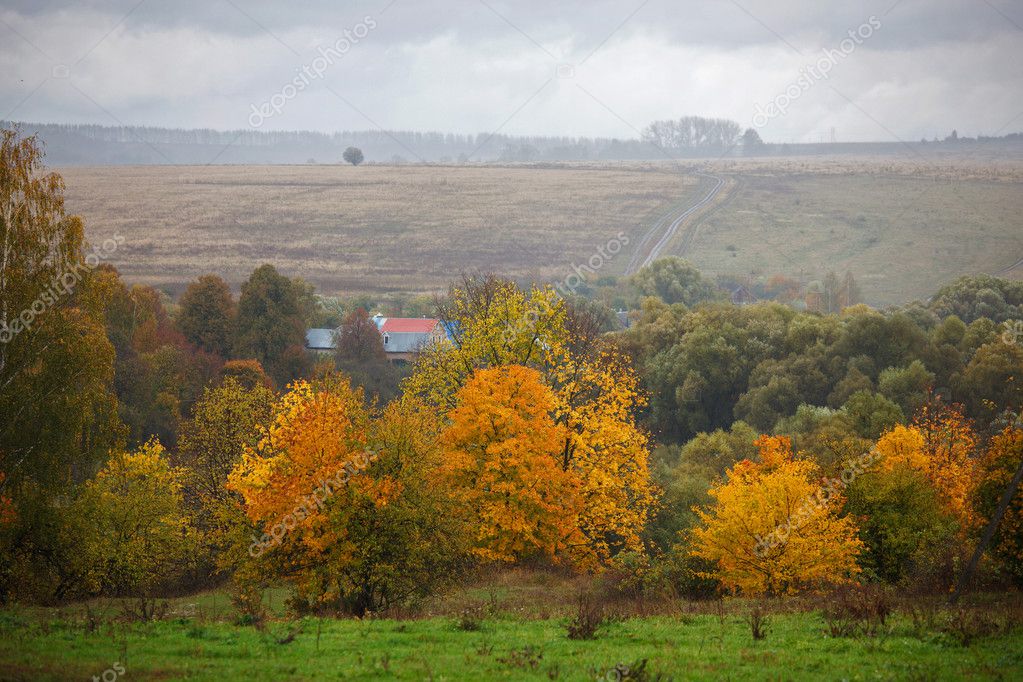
{"x":794,"y":70}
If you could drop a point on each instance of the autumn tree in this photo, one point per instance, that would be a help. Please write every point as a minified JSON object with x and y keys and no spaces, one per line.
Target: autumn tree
{"x":595,"y":391}
{"x":940,"y":443}
{"x":502,"y":462}
{"x":340,"y":505}
{"x":56,"y":365}
{"x":224,"y":422}
{"x":130,"y":527}
{"x":774,"y":528}
{"x":998,"y":465}
{"x":207,"y":315}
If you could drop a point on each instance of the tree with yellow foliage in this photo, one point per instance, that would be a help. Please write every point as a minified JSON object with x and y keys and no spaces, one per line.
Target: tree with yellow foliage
{"x":998,"y":465}
{"x":940,"y":444}
{"x":774,"y":528}
{"x":130,"y":526}
{"x":594,"y":387}
{"x":501,"y":462}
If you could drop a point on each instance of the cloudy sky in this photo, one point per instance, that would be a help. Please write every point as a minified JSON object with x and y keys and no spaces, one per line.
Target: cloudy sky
{"x":589,"y":67}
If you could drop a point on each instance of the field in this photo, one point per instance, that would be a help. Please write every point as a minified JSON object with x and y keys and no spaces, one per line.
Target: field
{"x":902,"y":228}
{"x":366,"y":229}
{"x":521,"y":637}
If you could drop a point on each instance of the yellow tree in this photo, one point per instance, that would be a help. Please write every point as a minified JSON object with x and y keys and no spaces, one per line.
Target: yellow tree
{"x":939,"y":444}
{"x":774,"y":528}
{"x":130,"y":525}
{"x":594,"y":387}
{"x":502,"y":448}
{"x":998,"y":465}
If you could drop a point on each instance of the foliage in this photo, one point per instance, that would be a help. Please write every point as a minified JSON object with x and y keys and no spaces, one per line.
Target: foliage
{"x":207,"y":313}
{"x":997,"y":467}
{"x":773,"y":529}
{"x":347,"y":507}
{"x":501,"y":461}
{"x":270,"y":324}
{"x":352,"y":155}
{"x":130,"y":526}
{"x":360,"y":355}
{"x":674,"y":280}
{"x":594,"y":388}
{"x":901,"y":520}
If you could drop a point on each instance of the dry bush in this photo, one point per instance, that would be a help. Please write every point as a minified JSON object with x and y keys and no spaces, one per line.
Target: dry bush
{"x":857,"y":610}
{"x":590,"y":616}
{"x":759,"y":622}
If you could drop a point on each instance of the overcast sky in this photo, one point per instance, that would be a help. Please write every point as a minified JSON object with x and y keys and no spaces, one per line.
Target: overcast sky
{"x":595,"y":67}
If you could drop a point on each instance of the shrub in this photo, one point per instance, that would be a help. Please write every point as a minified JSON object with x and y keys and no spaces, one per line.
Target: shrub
{"x":590,"y":616}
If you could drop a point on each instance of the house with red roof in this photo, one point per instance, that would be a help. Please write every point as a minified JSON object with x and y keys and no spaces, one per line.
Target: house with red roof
{"x":403,"y":337}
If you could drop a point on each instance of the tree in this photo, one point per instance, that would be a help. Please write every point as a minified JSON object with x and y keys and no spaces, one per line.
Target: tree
{"x":901,"y":521}
{"x":270,"y":323}
{"x":360,"y":355}
{"x":751,"y":142}
{"x":501,"y":460}
{"x":353,"y":155}
{"x":207,"y":315}
{"x":225,"y":421}
{"x":774,"y":529}
{"x":130,"y":527}
{"x":595,"y":389}
{"x":674,"y":280}
{"x":998,"y":465}
{"x":344,"y":505}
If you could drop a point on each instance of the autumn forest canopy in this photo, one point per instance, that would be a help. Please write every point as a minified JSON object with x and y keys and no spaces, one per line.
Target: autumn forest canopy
{"x":153,"y":447}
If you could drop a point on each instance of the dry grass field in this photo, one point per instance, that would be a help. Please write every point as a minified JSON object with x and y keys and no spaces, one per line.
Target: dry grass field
{"x":366,"y":229}
{"x":903,"y":227}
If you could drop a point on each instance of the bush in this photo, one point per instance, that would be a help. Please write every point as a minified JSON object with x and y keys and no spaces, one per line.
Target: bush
{"x":590,"y":616}
{"x":856,"y":610}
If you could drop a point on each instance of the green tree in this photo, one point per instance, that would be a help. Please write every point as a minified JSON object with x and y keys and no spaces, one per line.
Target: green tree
{"x":270,"y":324}
{"x":353,"y":155}
{"x":674,"y":280}
{"x":207,"y":315}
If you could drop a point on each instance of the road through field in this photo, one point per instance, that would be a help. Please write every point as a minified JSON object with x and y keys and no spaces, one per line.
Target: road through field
{"x":669,"y":223}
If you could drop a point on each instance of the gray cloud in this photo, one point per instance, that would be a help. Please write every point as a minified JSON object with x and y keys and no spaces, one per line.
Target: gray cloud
{"x":469,"y":66}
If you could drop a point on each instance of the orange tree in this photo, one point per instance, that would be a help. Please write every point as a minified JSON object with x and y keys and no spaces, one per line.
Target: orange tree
{"x":501,"y":462}
{"x":940,"y":444}
{"x":344,"y":503}
{"x":773,"y":528}
{"x":594,"y":392}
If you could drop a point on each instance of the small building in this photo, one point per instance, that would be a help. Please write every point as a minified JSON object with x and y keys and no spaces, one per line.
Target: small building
{"x":403,"y":337}
{"x":321,"y":340}
{"x":741,"y":295}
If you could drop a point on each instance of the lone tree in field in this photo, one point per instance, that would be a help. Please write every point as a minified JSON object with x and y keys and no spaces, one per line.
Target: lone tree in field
{"x":353,"y":155}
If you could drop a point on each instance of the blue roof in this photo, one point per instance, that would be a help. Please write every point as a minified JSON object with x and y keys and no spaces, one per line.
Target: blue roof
{"x":321,"y":339}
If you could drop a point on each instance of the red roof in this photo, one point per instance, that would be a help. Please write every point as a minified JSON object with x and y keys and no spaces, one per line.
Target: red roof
{"x":409,"y":324}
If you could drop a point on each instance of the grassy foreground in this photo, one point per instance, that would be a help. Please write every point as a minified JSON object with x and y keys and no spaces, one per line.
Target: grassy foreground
{"x":187,"y":644}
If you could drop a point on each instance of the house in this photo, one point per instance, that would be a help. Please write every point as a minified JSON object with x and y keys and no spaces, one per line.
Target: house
{"x":321,"y":340}
{"x":403,"y":337}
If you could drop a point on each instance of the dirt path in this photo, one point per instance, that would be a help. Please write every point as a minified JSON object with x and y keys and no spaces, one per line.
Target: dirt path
{"x":667,"y":226}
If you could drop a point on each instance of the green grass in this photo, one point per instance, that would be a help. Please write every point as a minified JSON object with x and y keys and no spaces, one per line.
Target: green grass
{"x":37,"y":644}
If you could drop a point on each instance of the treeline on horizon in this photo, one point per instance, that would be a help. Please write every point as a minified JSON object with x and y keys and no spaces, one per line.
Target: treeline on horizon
{"x":153,"y":447}
{"x":688,"y":137}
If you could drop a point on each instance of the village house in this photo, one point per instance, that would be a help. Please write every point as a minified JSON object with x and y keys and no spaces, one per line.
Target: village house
{"x":402,"y":337}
